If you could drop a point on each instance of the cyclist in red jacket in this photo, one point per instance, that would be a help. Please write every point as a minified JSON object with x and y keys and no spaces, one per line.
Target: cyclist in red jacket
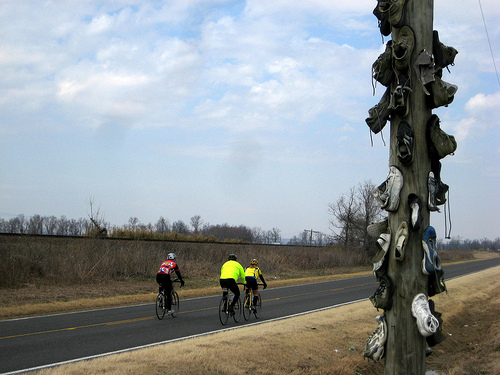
{"x":164,"y":281}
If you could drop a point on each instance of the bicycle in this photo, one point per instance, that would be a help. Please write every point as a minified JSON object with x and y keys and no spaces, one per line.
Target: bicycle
{"x":161,"y":302}
{"x":249,"y":307}
{"x":224,"y":313}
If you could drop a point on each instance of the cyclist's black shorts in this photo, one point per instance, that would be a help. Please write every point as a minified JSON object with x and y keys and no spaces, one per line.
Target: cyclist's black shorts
{"x":251,"y":283}
{"x":164,"y":281}
{"x":231,"y":285}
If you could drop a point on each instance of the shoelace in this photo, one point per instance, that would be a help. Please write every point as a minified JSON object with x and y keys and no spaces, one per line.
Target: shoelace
{"x":381,"y":289}
{"x":376,"y":333}
{"x":428,"y":320}
{"x":447,"y":234}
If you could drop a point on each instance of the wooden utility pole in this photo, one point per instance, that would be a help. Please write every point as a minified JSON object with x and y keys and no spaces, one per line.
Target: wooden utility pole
{"x":405,"y":346}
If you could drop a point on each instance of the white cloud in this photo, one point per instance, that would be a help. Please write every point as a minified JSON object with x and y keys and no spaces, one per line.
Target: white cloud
{"x":487,"y":106}
{"x":483,"y":114}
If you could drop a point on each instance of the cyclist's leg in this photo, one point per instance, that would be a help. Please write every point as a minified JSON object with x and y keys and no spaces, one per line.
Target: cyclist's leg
{"x":160,"y":279}
{"x":225,"y":285}
{"x":252,"y":284}
{"x":168,"y":292}
{"x":236,"y":291}
{"x":255,"y":296}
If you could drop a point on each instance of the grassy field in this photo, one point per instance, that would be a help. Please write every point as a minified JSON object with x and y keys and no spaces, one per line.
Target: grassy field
{"x":327,"y":342}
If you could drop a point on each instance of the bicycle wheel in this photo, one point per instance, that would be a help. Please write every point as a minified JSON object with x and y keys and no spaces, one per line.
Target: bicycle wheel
{"x":237,"y":311}
{"x":175,"y":304}
{"x":160,"y":306}
{"x":257,"y":307}
{"x":246,"y":307}
{"x":223,"y":313}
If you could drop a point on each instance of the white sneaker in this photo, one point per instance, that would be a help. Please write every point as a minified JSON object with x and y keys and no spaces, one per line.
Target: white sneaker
{"x":383,"y":243}
{"x":401,"y":237}
{"x":170,"y":312}
{"x":387,"y":193}
{"x":375,"y":344}
{"x":426,"y":322}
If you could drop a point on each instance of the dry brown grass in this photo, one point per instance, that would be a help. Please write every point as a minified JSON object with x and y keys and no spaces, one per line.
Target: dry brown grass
{"x":327,"y":342}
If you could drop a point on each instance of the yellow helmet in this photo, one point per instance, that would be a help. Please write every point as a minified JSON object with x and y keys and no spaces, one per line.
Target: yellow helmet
{"x":254,"y":262}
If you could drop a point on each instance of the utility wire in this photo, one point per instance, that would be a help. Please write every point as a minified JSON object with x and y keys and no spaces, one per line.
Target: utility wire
{"x":489,"y":43}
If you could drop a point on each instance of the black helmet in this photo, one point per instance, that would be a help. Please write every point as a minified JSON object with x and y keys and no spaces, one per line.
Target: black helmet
{"x":232,"y":257}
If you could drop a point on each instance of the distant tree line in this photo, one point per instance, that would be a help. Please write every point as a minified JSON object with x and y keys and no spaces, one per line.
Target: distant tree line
{"x":457,"y":243}
{"x":197,"y":230}
{"x":95,"y":226}
{"x":48,"y":225}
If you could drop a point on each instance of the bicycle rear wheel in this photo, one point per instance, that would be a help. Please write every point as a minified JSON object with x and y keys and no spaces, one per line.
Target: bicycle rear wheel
{"x":257,"y":307}
{"x":223,"y":313}
{"x":237,"y":311}
{"x":246,"y":307}
{"x":175,"y":304}
{"x":160,"y":306}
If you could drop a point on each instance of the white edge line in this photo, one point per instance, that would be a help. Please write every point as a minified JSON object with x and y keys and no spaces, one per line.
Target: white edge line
{"x":177,"y":339}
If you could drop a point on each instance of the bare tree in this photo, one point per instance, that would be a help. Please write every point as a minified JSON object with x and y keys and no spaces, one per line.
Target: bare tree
{"x":274,"y":236}
{"x":35,"y":225}
{"x":352,"y":213}
{"x":133,"y":223}
{"x":180,"y":227}
{"x":97,"y":220}
{"x":50,"y":224}
{"x":196,"y":223}
{"x":162,"y":226}
{"x":344,"y":213}
{"x":16,"y":225}
{"x":369,"y":211}
{"x":258,"y":235}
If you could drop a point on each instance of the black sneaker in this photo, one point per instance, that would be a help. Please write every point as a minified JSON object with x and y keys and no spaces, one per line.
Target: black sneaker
{"x":382,"y":299}
{"x":441,"y":193}
{"x":432,"y":186}
{"x":436,"y":283}
{"x":405,"y":143}
{"x":383,"y":22}
{"x":443,"y":143}
{"x":443,"y":55}
{"x":382,"y":70}
{"x":442,"y":93}
{"x":379,"y":114}
{"x":400,"y":95}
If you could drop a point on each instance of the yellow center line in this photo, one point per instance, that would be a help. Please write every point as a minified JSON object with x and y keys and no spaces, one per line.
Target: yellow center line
{"x":77,"y":327}
{"x":154,"y":317}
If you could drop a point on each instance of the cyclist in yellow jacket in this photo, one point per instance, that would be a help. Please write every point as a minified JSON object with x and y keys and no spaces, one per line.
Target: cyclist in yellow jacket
{"x":251,"y":274}
{"x":229,"y":274}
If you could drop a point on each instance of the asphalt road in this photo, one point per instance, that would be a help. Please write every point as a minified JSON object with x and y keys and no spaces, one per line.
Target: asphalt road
{"x":34,"y":343}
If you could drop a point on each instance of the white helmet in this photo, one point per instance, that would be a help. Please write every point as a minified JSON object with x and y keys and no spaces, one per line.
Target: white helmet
{"x":171,"y":256}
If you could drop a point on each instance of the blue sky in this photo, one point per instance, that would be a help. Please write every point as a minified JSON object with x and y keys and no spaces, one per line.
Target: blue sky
{"x":247,"y":113}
